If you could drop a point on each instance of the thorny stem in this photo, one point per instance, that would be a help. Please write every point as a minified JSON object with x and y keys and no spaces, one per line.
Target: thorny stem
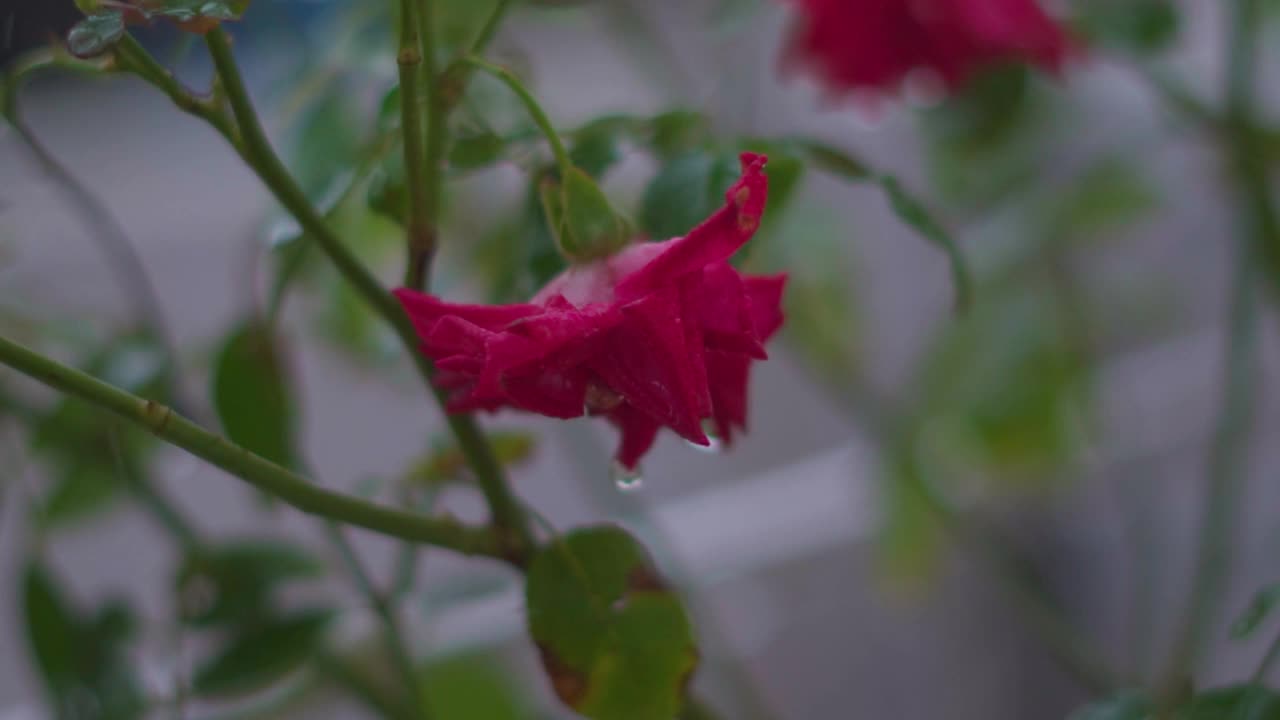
{"x":507,"y":516}
{"x":420,"y":231}
{"x":135,"y":58}
{"x":263,"y":474}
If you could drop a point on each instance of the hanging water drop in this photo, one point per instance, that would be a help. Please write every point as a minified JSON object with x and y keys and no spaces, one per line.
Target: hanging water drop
{"x":713,"y":447}
{"x":627,"y":480}
{"x":714,"y":444}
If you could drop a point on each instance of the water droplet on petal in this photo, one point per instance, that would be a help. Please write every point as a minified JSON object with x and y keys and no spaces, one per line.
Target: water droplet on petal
{"x":714,"y":444}
{"x":627,"y":480}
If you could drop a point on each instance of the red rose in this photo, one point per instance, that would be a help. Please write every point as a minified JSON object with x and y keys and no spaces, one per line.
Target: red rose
{"x":657,"y":335}
{"x":874,"y":44}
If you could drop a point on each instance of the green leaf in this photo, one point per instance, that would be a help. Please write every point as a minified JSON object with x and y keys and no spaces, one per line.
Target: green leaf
{"x":984,"y":142}
{"x":912,"y":212}
{"x":472,"y":687}
{"x":1264,"y":601}
{"x":686,"y":191}
{"x":471,"y":152}
{"x":835,"y":161}
{"x":235,"y":583}
{"x":53,"y":630}
{"x":261,"y":656}
{"x":80,"y":657}
{"x":1128,"y":705}
{"x":1109,"y":195}
{"x":911,"y":538}
{"x":252,"y":395}
{"x":615,"y":642}
{"x":96,"y":33}
{"x":1005,"y":387}
{"x":388,"y":191}
{"x":595,"y":146}
{"x":83,"y":488}
{"x":678,"y":132}
{"x":389,"y":110}
{"x":1139,"y":26}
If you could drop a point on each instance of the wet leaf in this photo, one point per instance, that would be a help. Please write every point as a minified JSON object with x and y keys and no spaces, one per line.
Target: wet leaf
{"x":252,"y":394}
{"x":96,"y":34}
{"x":615,"y":642}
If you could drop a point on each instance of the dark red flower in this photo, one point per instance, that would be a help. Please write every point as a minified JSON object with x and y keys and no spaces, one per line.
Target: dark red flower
{"x":657,"y":335}
{"x":874,"y":44}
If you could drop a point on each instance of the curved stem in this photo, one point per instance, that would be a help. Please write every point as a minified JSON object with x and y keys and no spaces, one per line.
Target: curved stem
{"x":489,"y":29}
{"x":263,"y":474}
{"x":507,"y":513}
{"x":531,"y":106}
{"x":135,"y":58}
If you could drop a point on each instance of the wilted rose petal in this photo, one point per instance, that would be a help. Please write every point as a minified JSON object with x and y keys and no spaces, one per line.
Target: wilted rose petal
{"x":657,"y":335}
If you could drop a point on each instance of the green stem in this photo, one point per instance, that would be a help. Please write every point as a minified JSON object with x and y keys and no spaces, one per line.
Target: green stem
{"x":507,"y":513}
{"x":392,"y":633}
{"x":1225,"y":473}
{"x":253,"y":469}
{"x":489,"y":29}
{"x":420,"y":235}
{"x":1227,"y":462}
{"x":531,"y":106}
{"x":1268,"y":661}
{"x":1073,"y":651}
{"x":134,"y":58}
